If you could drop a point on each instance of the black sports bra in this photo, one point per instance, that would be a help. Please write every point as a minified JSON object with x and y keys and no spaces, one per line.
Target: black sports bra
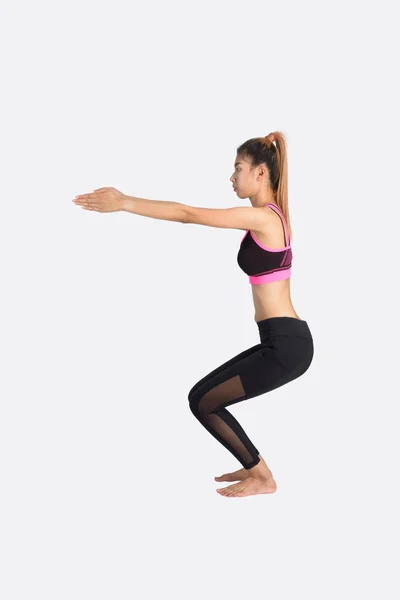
{"x":263,"y":264}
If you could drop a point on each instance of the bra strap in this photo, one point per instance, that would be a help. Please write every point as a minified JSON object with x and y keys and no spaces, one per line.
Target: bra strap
{"x":282,"y":219}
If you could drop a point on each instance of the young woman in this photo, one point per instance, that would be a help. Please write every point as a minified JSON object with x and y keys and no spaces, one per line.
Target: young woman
{"x":286,"y":346}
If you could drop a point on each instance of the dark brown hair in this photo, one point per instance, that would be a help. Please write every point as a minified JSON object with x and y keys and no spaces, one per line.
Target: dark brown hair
{"x":264,"y":150}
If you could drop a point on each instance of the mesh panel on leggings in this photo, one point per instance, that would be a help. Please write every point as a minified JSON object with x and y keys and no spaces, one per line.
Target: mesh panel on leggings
{"x":211,"y":412}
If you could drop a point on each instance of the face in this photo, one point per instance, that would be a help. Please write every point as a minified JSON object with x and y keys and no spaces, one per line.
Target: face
{"x":247,"y":182}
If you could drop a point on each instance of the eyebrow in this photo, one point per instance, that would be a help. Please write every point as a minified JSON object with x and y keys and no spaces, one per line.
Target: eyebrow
{"x":239,"y":162}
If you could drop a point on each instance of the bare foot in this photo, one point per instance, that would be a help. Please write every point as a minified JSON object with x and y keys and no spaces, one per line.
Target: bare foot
{"x":239,"y":475}
{"x":260,"y":471}
{"x":257,"y":480}
{"x":249,"y":487}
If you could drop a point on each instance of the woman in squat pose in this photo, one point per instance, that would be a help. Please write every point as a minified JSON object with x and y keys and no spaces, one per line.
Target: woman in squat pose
{"x":286,"y":347}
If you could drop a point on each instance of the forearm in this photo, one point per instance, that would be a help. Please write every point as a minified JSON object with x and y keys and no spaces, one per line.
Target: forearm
{"x":156,"y":209}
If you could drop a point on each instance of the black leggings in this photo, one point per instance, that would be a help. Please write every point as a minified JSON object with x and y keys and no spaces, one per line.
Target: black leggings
{"x":285,"y":353}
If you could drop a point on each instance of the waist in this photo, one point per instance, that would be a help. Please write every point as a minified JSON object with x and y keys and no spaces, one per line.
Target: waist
{"x":268,"y":328}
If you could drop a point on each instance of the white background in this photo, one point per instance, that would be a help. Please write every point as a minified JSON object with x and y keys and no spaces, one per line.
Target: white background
{"x":108,"y":320}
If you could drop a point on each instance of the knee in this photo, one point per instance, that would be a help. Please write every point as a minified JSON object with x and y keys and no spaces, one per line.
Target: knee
{"x":193,"y":395}
{"x":190,"y":394}
{"x":194,"y":398}
{"x":193,"y":401}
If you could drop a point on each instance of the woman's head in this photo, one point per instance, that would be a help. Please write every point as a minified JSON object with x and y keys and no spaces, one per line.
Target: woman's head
{"x":261,"y":171}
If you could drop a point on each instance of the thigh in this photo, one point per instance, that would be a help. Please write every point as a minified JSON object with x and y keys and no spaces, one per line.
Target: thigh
{"x":258,"y":370}
{"x":229,"y":363}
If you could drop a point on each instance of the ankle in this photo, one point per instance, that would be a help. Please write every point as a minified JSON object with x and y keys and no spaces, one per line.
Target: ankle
{"x":261,"y":470}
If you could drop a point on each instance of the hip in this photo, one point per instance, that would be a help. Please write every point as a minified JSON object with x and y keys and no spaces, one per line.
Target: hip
{"x":290,"y":341}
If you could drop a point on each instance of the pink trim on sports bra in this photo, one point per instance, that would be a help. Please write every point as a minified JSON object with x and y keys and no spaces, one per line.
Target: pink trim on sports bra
{"x":274,"y":276}
{"x":247,"y":231}
{"x":266,"y":247}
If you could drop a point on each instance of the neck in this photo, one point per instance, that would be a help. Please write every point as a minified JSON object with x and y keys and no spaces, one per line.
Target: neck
{"x":263,"y":199}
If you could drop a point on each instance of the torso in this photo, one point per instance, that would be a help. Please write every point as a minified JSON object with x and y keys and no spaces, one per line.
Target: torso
{"x":272,"y":299}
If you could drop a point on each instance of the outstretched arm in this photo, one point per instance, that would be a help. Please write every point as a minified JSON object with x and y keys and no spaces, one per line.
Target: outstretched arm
{"x":240,"y":217}
{"x":156,"y":209}
{"x":108,"y":199}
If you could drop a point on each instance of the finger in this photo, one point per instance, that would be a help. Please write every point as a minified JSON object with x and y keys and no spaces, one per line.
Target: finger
{"x":88,"y":195}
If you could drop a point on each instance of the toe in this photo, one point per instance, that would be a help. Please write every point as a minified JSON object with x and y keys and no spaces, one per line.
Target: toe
{"x":231,"y":489}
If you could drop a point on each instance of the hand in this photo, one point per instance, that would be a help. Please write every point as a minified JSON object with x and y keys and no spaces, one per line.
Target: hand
{"x":106,"y":199}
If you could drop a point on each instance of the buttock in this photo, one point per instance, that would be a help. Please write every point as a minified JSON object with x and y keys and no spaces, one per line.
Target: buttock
{"x":292,"y":352}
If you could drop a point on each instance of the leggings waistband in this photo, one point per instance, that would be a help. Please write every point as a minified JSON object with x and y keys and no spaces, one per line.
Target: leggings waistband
{"x":283,"y":326}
